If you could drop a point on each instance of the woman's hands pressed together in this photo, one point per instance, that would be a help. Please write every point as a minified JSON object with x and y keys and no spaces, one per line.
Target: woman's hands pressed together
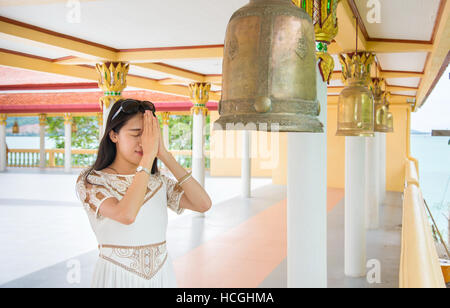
{"x":150,"y":139}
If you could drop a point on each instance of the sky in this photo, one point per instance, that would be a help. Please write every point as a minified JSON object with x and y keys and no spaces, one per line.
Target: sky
{"x":435,"y":113}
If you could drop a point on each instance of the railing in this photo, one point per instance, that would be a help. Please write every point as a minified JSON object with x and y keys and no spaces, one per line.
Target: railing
{"x":419,"y":261}
{"x":54,"y":158}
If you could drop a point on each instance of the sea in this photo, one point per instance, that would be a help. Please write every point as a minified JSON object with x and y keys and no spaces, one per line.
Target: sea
{"x":433,"y":154}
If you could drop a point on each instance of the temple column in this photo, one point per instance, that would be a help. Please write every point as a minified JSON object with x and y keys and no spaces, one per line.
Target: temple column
{"x":42,"y":156}
{"x":165,"y":121}
{"x":246,"y":166}
{"x":3,"y":154}
{"x":307,"y":203}
{"x":199,"y":93}
{"x":68,"y":142}
{"x":355,"y":226}
{"x":382,"y":168}
{"x":112,"y":80}
{"x":100,"y":126}
{"x":165,"y":135}
{"x":371,"y":183}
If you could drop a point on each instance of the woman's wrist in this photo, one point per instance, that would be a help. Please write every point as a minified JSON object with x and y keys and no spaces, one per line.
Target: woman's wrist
{"x":147,"y":161}
{"x":165,"y":156}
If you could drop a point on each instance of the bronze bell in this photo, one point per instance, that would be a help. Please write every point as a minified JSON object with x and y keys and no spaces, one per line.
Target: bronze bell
{"x":377,"y":87}
{"x":355,"y":106}
{"x":269,"y":70}
{"x":390,"y":123}
{"x":15,"y":128}
{"x":389,"y":115}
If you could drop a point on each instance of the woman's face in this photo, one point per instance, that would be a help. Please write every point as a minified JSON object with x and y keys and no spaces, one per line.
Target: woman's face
{"x":128,"y":140}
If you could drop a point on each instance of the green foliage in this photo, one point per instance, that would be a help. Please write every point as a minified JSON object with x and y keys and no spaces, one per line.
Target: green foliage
{"x":86,"y":137}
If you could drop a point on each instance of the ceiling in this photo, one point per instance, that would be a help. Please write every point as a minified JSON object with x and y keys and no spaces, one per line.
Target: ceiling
{"x":171,"y":43}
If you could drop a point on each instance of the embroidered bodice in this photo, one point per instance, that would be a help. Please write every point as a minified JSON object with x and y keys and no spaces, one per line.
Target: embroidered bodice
{"x":151,"y":222}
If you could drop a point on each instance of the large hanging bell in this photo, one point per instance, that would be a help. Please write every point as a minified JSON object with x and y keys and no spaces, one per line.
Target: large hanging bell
{"x":377,"y":86}
{"x":389,"y":116}
{"x":269,"y":70}
{"x":355,"y":106}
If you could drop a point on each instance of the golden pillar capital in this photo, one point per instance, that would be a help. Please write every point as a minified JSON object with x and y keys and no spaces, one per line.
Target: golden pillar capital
{"x":356,"y":66}
{"x":324,"y":17}
{"x":112,"y":80}
{"x":42,"y":119}
{"x":3,"y":117}
{"x":199,"y":93}
{"x":165,"y":117}
{"x":68,"y":119}
{"x":377,"y":86}
{"x":100,"y":118}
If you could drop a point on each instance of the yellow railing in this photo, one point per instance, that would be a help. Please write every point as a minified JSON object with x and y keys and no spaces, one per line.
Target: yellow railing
{"x":27,"y":158}
{"x":419,"y":261}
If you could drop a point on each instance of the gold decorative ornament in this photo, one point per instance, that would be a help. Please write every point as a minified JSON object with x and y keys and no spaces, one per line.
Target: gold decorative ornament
{"x":165,"y":117}
{"x":269,"y":70}
{"x":42,"y":119}
{"x":199,"y":94}
{"x":100,"y":118}
{"x":326,"y":65}
{"x":68,"y":118}
{"x":112,"y":80}
{"x":3,"y":118}
{"x":324,"y":17}
{"x":355,"y":106}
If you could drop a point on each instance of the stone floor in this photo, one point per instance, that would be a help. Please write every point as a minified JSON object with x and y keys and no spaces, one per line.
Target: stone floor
{"x":45,"y":234}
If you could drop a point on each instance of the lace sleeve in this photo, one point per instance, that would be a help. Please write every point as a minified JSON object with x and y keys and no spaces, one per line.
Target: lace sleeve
{"x":92,"y":195}
{"x":174,"y":193}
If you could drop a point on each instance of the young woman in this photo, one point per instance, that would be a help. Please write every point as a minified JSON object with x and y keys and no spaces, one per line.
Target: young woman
{"x":127,"y":203}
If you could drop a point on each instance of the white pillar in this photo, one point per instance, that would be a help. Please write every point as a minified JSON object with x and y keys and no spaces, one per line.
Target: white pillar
{"x":68,"y":142}
{"x":198,"y":142}
{"x":382,"y":168}
{"x":355,"y":229}
{"x":307,"y":203}
{"x":246,"y":164}
{"x":100,"y":126}
{"x":165,"y":120}
{"x":42,"y":124}
{"x":371,"y":184}
{"x":3,"y":162}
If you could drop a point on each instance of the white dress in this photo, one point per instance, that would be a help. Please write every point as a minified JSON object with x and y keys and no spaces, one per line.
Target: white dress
{"x":133,"y":255}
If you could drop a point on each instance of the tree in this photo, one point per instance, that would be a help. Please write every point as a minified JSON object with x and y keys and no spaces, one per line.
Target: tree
{"x":86,"y":137}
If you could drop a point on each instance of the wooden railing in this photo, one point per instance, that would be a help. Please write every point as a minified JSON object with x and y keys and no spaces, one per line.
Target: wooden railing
{"x":419,"y":261}
{"x":54,"y":158}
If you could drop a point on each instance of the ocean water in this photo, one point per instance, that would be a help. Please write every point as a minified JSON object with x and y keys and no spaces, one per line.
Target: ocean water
{"x":18,"y":142}
{"x":433,"y":154}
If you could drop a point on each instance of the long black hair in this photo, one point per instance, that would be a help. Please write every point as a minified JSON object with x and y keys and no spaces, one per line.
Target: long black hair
{"x":107,"y":149}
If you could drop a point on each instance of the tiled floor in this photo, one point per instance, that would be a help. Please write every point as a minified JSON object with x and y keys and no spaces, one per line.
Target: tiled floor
{"x":239,"y":243}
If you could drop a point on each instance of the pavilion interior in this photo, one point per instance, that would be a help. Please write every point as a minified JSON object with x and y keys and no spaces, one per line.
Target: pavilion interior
{"x":47,"y":65}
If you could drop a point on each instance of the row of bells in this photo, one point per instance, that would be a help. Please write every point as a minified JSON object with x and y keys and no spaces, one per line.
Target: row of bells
{"x":269,"y":76}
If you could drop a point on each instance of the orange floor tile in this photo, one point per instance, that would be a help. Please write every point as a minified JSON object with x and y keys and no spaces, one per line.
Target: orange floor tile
{"x":243,"y":256}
